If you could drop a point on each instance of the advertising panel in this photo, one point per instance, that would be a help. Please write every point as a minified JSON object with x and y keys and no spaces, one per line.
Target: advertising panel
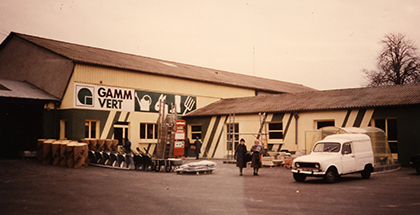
{"x":122,"y":99}
{"x":102,"y":97}
{"x":150,"y":102}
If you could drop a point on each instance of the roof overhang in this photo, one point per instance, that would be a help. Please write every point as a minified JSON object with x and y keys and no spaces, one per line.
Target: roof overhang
{"x":23,"y":90}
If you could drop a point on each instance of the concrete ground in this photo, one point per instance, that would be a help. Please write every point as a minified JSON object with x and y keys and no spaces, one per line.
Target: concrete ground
{"x":28,"y":187}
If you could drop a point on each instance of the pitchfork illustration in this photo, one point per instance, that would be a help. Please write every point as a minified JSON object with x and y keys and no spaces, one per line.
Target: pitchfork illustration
{"x":188,"y":104}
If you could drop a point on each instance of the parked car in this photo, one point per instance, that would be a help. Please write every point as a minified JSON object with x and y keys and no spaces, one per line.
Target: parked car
{"x":334,"y":156}
{"x":415,"y":162}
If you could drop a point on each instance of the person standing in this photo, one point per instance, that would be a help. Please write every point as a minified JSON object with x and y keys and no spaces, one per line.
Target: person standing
{"x":197,"y":144}
{"x":127,"y":145}
{"x":256,"y":150}
{"x":240,"y":156}
{"x":186,"y":146}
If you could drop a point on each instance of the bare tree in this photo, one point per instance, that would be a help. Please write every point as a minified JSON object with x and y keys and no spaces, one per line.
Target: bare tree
{"x":398,"y":63}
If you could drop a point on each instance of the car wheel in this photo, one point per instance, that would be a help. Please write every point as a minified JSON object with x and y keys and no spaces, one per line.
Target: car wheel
{"x":331,"y":176}
{"x":366,"y":172}
{"x":299,"y":177}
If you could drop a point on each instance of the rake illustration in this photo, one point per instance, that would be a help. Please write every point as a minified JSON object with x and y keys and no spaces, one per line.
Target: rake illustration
{"x":188,"y":104}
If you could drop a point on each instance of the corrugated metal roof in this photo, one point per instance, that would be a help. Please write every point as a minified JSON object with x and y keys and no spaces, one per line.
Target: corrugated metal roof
{"x":24,"y":90}
{"x":97,"y":56}
{"x":354,"y":98}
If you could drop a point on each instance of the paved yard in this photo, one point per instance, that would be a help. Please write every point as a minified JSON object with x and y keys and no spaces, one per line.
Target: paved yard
{"x":28,"y":187}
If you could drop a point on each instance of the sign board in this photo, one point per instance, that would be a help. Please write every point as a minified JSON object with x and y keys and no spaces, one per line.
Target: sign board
{"x":122,"y":99}
{"x":179,"y":144}
{"x":180,"y":134}
{"x":150,"y":102}
{"x":103,"y":97}
{"x":180,"y":123}
{"x":179,"y":148}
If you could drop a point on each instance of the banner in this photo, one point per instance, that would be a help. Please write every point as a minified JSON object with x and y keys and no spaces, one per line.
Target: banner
{"x":150,"y":102}
{"x":102,"y":97}
{"x":122,"y":99}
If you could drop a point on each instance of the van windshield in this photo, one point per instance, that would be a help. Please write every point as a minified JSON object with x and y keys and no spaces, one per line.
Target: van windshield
{"x":327,"y":147}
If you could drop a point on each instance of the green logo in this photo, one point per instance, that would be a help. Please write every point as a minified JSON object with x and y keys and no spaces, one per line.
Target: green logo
{"x":85,"y":96}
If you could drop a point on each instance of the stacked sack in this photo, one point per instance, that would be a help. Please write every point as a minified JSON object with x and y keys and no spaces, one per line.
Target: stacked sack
{"x":102,"y":144}
{"x":63,"y":153}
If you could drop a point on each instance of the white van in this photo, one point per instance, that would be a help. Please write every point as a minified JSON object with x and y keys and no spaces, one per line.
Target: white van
{"x":336,"y":155}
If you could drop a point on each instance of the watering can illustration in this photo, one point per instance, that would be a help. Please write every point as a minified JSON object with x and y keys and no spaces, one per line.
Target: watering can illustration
{"x":144,"y":102}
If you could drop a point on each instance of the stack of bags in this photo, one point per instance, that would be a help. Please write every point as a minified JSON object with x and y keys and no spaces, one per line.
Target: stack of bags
{"x":201,"y":166}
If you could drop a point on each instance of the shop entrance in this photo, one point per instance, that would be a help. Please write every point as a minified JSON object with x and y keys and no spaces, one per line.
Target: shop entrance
{"x":120,"y":131}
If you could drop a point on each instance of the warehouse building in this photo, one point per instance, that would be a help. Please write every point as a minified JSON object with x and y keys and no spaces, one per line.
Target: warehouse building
{"x":60,"y":90}
{"x":291,"y":119}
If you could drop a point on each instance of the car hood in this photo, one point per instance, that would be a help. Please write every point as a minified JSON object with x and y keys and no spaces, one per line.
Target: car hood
{"x":317,"y":157}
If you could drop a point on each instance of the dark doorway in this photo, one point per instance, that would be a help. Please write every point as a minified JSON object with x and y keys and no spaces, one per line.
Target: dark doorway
{"x":120,"y":132}
{"x":20,"y":126}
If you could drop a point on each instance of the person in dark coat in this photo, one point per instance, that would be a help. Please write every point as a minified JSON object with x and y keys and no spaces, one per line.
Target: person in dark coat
{"x":197,"y":144}
{"x":256,"y":150}
{"x":127,"y":145}
{"x":186,"y":146}
{"x":240,"y":156}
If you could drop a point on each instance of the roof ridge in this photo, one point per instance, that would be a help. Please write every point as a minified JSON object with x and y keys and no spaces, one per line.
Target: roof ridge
{"x":338,"y":99}
{"x":117,"y":59}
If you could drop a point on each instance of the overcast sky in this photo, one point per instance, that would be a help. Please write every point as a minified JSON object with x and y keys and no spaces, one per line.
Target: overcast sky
{"x":320,"y":44}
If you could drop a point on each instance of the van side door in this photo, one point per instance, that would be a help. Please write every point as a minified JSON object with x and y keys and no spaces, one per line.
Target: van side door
{"x":348,"y":158}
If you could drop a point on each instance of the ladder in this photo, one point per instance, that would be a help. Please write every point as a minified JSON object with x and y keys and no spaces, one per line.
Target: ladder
{"x":230,"y":137}
{"x":261,"y":135}
{"x":166,"y":131}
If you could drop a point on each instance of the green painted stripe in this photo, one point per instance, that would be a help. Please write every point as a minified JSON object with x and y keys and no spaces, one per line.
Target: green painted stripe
{"x":126,"y":117}
{"x":359,"y":118}
{"x":111,"y":129}
{"x":346,"y":118}
{"x":220,"y":137}
{"x":287,"y":126}
{"x":212,"y":134}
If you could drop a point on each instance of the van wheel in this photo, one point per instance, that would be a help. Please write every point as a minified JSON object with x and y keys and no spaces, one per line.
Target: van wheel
{"x":331,"y":176}
{"x":366,"y":172}
{"x":299,"y":177}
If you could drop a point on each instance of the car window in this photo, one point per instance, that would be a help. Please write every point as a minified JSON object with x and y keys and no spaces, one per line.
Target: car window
{"x":346,"y":149}
{"x":327,"y":147}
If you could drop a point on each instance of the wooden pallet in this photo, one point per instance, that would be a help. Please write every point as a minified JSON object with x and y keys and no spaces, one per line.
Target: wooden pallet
{"x":272,"y":165}
{"x":229,"y":161}
{"x":195,"y":172}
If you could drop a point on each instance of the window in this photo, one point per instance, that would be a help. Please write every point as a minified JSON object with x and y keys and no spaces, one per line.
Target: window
{"x":321,"y":124}
{"x":389,"y":125}
{"x":91,"y":129}
{"x":327,"y":147}
{"x":346,"y":149}
{"x":63,"y":129}
{"x":195,"y":131}
{"x":148,"y":131}
{"x":275,"y":130}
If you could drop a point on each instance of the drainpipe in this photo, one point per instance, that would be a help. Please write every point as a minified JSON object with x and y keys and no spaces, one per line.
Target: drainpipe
{"x":296,"y":129}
